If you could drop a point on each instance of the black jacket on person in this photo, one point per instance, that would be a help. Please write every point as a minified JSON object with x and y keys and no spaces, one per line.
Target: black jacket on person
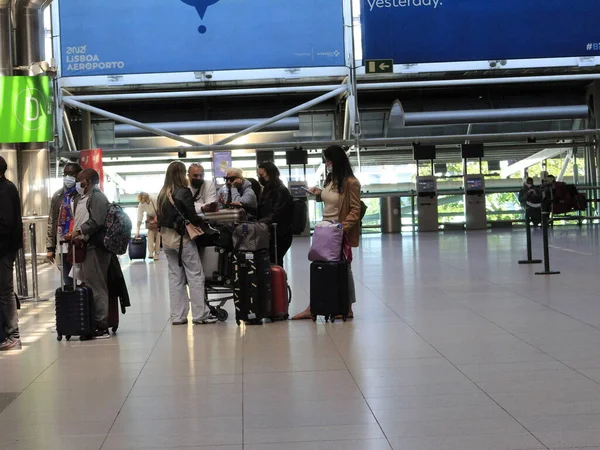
{"x":168,"y":217}
{"x":276,"y":205}
{"x":117,"y":288}
{"x":11,"y":222}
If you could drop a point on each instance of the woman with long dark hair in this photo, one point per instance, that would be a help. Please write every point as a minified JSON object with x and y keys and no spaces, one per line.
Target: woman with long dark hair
{"x":341,"y":203}
{"x":275,"y":206}
{"x":175,"y":208}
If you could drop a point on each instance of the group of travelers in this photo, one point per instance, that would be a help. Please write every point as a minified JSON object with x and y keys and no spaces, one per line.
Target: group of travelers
{"x":184,"y":200}
{"x":78,"y":213}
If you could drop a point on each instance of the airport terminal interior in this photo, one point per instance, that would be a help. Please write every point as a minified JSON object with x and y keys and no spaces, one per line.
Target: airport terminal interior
{"x":477,"y":317}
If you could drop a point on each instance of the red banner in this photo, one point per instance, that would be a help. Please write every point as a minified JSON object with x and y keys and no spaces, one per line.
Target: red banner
{"x":92,"y":159}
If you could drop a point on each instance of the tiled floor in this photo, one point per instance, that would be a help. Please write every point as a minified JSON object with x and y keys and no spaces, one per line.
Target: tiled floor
{"x":455,"y":347}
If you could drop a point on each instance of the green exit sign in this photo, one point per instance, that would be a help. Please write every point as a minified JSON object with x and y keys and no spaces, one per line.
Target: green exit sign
{"x":26,"y":110}
{"x":379,"y":66}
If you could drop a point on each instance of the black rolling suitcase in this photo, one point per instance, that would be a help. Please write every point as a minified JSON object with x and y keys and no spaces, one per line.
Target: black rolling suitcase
{"x":252,"y":286}
{"x":74,"y":311}
{"x":137,"y":248}
{"x":329,"y":290}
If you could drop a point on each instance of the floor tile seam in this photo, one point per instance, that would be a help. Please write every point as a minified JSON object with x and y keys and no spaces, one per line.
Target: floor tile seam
{"x":356,"y":384}
{"x":541,"y":351}
{"x":36,"y":378}
{"x":551,"y":308}
{"x":167,"y":324}
{"x":320,"y":441}
{"x":468,"y":378}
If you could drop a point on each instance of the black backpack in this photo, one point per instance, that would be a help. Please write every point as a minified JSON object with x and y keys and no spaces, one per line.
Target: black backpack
{"x":299,"y":216}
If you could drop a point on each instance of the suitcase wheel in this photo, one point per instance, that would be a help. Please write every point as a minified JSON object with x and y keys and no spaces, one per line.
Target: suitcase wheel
{"x":344,"y":318}
{"x":68,"y":338}
{"x":222,"y":315}
{"x":59,"y":337}
{"x":332,"y":318}
{"x":314,"y":318}
{"x":114,"y":330}
{"x":237,"y":322}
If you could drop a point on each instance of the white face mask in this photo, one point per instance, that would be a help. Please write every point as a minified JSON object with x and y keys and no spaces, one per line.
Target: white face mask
{"x":69,"y":181}
{"x":80,"y":190}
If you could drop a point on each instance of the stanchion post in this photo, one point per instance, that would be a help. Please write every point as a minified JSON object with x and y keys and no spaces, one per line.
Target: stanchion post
{"x":529,"y":259}
{"x":545,"y":220}
{"x":34,"y":265}
{"x":22,"y":289}
{"x":412,"y":211}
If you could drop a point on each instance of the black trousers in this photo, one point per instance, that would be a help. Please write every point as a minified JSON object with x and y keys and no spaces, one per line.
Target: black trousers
{"x":284,"y":242}
{"x":8,"y":301}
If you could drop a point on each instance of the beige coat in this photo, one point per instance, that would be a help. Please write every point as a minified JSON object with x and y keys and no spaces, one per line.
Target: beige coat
{"x":349,"y":210}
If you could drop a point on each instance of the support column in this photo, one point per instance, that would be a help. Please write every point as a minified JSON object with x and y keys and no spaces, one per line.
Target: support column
{"x":34,"y":158}
{"x":7,"y":151}
{"x":592,"y":166}
{"x":87,"y":142}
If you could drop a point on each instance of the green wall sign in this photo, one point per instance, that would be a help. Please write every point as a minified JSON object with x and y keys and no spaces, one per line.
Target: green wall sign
{"x":26,"y":110}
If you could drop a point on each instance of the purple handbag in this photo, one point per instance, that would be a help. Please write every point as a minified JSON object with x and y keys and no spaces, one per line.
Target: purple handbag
{"x":327,"y":242}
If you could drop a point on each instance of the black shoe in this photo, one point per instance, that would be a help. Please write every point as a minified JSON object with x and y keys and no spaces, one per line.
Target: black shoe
{"x":102,"y":334}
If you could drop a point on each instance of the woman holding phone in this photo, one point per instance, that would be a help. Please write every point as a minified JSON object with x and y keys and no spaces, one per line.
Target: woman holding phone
{"x":341,"y":203}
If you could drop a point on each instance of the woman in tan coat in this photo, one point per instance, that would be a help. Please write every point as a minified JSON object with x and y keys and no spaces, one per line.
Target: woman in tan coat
{"x":341,"y":203}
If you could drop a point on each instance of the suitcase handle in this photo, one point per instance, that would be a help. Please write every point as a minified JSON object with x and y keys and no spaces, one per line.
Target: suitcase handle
{"x":275,"y":240}
{"x":62,"y":267}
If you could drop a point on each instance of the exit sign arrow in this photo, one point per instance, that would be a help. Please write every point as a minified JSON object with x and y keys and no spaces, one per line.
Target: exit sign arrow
{"x":379,"y":66}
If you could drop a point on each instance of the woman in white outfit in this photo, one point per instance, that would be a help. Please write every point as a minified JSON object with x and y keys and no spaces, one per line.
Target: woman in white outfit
{"x":147,"y":206}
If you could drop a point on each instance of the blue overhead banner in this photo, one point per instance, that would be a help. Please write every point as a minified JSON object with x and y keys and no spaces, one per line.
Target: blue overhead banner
{"x":430,"y":31}
{"x":116,"y":37}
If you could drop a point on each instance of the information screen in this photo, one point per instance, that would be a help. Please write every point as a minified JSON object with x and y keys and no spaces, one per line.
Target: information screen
{"x":432,"y":31}
{"x":474,"y":184}
{"x":116,"y":37}
{"x":426,"y":186}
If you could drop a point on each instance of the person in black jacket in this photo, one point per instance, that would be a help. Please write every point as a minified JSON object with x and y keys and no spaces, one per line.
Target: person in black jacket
{"x":11,"y":241}
{"x":175,"y":209}
{"x":276,"y":206}
{"x":61,"y":218}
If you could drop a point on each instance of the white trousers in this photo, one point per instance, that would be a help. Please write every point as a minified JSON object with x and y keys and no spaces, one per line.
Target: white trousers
{"x":180,"y":278}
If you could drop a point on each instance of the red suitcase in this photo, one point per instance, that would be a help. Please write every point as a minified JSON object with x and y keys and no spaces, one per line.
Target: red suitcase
{"x":282,"y":294}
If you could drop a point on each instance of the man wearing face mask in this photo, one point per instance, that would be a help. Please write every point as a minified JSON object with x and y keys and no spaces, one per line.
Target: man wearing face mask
{"x":91,"y":207}
{"x":60,"y":220}
{"x":204,"y":191}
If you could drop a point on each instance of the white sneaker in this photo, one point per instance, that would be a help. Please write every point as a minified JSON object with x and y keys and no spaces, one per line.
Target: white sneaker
{"x":209,"y":319}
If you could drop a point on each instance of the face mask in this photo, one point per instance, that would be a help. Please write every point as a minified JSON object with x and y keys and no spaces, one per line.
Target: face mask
{"x":80,"y":190}
{"x":197,"y":183}
{"x":69,"y":181}
{"x":262,"y":181}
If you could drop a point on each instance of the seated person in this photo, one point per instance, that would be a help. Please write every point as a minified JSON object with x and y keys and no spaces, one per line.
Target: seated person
{"x":237,"y":192}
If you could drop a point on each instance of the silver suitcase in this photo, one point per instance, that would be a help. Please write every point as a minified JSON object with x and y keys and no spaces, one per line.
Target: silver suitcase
{"x":215,"y":265}
{"x":226,"y":216}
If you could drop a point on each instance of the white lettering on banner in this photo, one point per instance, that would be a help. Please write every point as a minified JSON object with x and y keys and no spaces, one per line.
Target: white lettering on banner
{"x":381,"y":4}
{"x":79,"y":60}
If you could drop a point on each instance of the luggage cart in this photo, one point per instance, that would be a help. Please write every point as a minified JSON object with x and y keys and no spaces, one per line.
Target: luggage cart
{"x":218,"y":287}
